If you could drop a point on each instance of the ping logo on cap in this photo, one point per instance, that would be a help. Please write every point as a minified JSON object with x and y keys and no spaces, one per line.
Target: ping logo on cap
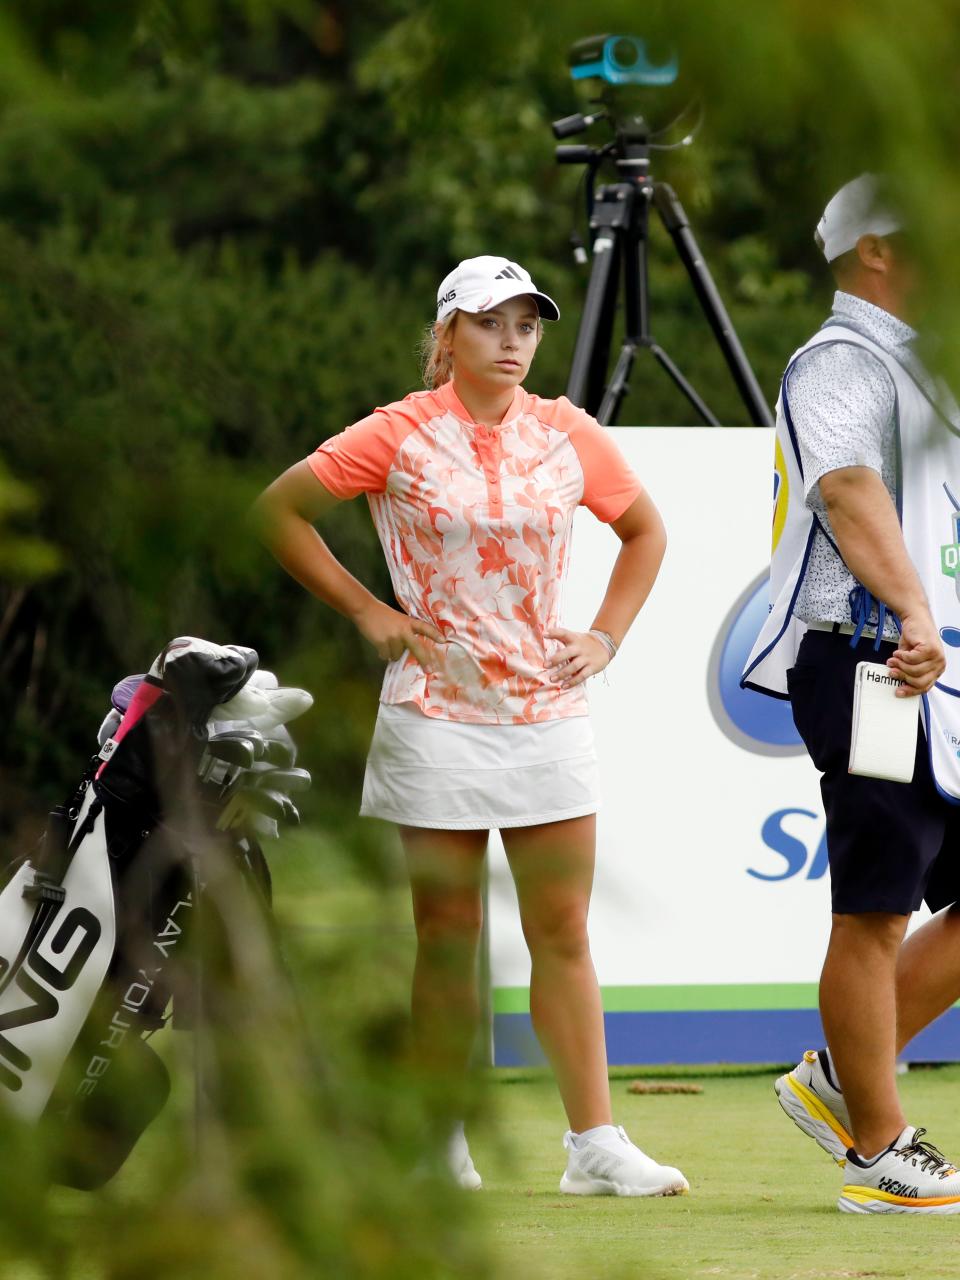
{"x":477,"y":284}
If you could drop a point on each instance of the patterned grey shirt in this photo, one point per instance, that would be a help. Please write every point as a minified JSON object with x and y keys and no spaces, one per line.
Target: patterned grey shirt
{"x":842,"y":401}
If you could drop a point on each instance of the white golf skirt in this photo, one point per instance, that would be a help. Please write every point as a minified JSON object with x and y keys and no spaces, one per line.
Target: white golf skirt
{"x":426,"y":772}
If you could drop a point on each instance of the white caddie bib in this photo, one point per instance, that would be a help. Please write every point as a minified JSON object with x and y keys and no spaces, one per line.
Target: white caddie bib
{"x":928,"y":503}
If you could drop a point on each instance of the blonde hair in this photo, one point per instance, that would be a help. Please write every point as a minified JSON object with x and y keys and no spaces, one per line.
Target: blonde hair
{"x":435,"y":354}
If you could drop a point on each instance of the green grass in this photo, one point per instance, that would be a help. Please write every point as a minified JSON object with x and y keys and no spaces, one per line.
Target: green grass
{"x":762,"y":1200}
{"x":762,"y":1204}
{"x":763,"y":1197}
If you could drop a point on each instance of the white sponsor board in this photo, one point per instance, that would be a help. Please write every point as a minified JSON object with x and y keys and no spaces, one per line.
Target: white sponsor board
{"x":711,"y":863}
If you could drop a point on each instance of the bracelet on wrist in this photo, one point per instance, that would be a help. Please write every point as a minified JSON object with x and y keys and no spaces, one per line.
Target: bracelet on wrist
{"x":606,"y":640}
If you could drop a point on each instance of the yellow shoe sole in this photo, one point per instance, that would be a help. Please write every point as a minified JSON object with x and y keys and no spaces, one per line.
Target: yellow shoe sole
{"x":814,"y":1117}
{"x":869,"y":1200}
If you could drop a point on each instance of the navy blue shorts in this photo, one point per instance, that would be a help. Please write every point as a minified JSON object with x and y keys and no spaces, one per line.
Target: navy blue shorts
{"x":891,"y":845}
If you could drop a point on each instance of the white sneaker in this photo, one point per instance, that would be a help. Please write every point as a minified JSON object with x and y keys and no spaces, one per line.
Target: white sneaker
{"x":909,"y":1177}
{"x":816,"y":1107}
{"x":608,"y":1164}
{"x":461,"y":1165}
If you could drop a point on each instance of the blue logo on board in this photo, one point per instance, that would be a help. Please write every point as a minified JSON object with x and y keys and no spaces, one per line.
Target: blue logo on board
{"x":793,"y":839}
{"x":754,"y":721}
{"x":806,"y":851}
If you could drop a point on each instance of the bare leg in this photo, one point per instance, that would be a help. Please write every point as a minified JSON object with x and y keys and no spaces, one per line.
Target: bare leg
{"x":928,"y":974}
{"x":446,"y":869}
{"x":858,"y":1005}
{"x":552,"y":867}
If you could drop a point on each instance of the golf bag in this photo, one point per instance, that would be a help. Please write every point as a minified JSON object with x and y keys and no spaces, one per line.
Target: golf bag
{"x":195,"y":763}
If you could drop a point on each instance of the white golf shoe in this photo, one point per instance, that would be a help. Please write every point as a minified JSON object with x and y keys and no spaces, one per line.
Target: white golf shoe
{"x":815,"y":1106}
{"x":605,"y":1162}
{"x":460,"y":1162}
{"x":911,"y":1176}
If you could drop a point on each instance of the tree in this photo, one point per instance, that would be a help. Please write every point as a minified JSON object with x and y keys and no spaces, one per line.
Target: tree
{"x":221,"y":228}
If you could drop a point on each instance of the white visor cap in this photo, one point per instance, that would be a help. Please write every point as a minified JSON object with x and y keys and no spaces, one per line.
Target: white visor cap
{"x":479,"y":284}
{"x":858,"y":209}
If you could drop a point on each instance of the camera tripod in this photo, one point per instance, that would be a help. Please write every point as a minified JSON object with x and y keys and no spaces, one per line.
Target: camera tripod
{"x":619,"y":223}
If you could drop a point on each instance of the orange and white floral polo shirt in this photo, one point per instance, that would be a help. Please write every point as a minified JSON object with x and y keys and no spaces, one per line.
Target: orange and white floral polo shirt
{"x":475,"y":523}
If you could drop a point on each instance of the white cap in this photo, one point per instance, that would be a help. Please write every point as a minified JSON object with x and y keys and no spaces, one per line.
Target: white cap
{"x":478,"y":284}
{"x":858,"y":209}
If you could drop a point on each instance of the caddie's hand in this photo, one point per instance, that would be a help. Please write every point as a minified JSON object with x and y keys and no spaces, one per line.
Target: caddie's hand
{"x":392,"y":633}
{"x":919,"y":660}
{"x":582,"y":656}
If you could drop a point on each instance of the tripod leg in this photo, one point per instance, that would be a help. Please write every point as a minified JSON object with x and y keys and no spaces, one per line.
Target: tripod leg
{"x":675,"y":220}
{"x":636,"y":307}
{"x":617,"y":387}
{"x":683,"y":385}
{"x":588,"y":370}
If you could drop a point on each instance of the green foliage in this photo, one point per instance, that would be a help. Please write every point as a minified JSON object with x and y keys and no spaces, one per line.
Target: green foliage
{"x":317,"y":1146}
{"x":21,"y":557}
{"x":219,"y":244}
{"x":221,"y":229}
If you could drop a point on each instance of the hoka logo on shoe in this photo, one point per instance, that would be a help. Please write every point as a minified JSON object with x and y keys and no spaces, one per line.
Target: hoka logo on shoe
{"x":894,"y":1188}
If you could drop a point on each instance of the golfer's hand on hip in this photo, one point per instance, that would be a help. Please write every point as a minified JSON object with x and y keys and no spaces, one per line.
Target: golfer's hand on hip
{"x":392,"y":633}
{"x":582,"y":656}
{"x":919,"y":659}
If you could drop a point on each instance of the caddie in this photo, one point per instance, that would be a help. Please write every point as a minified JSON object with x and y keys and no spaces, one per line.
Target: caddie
{"x":864,"y":568}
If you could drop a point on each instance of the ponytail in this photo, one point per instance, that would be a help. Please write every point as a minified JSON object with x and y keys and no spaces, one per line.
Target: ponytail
{"x":436,"y":357}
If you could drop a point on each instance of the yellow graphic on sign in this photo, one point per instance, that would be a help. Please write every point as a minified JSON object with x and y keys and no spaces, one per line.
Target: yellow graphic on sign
{"x":781,"y":494}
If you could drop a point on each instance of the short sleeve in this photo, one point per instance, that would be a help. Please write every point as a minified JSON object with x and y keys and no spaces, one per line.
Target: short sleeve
{"x":358,"y":459}
{"x":840,"y":401}
{"x":609,"y":483}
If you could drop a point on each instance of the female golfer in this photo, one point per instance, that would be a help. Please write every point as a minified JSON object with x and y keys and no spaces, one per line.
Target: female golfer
{"x":483,"y":720}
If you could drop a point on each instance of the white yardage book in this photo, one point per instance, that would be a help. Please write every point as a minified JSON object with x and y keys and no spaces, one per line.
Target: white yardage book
{"x":883,"y":743}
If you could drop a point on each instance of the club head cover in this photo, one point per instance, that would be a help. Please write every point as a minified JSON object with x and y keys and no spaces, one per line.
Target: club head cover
{"x":199,"y":675}
{"x":264,"y":708}
{"x":111,"y":722}
{"x":165,"y":720}
{"x":123,"y":692}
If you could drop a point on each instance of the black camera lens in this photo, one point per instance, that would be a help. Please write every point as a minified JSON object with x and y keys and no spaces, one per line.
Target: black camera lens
{"x":625,"y":53}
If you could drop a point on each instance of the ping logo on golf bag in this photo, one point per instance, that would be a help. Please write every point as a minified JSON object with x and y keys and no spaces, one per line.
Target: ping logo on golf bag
{"x":39,"y":978}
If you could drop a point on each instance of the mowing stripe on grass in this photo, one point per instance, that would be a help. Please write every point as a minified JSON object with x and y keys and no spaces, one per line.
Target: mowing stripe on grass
{"x":705,"y":997}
